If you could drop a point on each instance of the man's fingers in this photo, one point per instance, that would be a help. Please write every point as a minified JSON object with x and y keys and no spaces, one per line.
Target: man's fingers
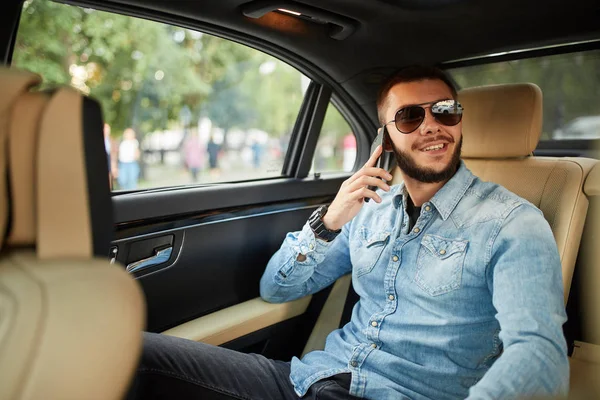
{"x":374,"y":171}
{"x":365,"y":181}
{"x":369,"y":171}
{"x":373,"y":159}
{"x":364,"y":193}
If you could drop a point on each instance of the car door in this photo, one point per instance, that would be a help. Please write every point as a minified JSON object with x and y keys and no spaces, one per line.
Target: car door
{"x":212,"y":164}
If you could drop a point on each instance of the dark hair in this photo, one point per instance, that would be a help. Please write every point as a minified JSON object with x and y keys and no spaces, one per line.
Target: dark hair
{"x":413,"y":73}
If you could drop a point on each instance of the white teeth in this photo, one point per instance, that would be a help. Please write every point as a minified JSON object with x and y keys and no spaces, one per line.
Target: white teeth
{"x":436,"y":147}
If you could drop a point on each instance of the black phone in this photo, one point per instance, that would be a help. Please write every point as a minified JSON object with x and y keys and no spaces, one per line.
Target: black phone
{"x":380,"y":161}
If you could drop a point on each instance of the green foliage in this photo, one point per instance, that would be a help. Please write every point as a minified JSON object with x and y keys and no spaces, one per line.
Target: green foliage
{"x":42,"y":42}
{"x":570,"y":83}
{"x":144,"y":72}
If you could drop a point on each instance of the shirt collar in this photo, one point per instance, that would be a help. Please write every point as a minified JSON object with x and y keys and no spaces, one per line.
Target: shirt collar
{"x":446,"y":199}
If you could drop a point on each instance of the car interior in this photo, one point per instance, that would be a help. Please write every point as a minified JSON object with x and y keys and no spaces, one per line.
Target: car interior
{"x":84,"y":269}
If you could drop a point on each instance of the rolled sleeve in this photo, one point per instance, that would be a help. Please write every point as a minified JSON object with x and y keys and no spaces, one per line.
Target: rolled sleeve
{"x":286,"y":278}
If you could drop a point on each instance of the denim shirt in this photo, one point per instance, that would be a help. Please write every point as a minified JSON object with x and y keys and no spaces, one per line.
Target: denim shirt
{"x":467,"y":304}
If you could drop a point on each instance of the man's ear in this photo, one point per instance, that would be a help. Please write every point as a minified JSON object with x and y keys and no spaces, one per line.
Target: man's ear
{"x":387,"y":141}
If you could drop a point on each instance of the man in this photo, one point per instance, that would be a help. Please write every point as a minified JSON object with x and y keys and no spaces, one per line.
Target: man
{"x":459,"y":280}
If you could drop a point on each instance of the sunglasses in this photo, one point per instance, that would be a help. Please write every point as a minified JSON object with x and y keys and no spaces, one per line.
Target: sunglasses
{"x":446,"y":112}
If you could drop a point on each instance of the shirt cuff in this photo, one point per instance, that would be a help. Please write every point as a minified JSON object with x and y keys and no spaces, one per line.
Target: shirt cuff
{"x":308,"y":242}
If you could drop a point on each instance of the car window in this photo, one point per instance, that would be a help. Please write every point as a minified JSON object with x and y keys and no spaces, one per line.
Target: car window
{"x":336,"y":147}
{"x":181,"y":106}
{"x":570,"y":84}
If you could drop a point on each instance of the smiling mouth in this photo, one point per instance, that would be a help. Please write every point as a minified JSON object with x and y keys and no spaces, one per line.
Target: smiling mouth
{"x":435,"y":147}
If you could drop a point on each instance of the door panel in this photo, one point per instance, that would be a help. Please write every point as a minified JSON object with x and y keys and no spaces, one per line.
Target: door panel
{"x":219,"y":255}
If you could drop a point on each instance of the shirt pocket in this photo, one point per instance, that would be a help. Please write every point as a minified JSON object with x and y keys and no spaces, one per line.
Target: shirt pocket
{"x":369,"y":247}
{"x":440,"y":264}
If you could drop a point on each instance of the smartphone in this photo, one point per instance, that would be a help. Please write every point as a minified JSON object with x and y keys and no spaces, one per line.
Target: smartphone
{"x":380,"y":162}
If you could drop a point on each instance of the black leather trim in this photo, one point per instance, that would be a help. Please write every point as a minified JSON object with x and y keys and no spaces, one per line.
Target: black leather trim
{"x":9,"y":207}
{"x":96,"y":166}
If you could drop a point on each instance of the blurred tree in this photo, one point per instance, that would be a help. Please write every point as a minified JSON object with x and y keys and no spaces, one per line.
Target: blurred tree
{"x":132,"y":66}
{"x":570,"y":83}
{"x":143,"y":72}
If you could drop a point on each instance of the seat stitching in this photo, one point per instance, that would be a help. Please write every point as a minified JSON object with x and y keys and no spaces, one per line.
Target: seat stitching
{"x":545,"y":187}
{"x":577,"y":199}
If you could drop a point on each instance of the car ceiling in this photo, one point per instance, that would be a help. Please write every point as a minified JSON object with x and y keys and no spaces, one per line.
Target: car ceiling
{"x":388,"y":33}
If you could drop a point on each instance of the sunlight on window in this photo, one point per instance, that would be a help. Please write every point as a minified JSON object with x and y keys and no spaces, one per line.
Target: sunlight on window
{"x":180,"y":106}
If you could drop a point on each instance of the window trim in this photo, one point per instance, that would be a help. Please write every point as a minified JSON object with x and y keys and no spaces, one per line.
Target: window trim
{"x":513,"y":55}
{"x":298,"y":138}
{"x":14,"y":9}
{"x":315,"y":125}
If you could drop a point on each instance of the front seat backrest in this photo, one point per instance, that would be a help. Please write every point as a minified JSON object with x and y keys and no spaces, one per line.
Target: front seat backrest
{"x":69,"y":321}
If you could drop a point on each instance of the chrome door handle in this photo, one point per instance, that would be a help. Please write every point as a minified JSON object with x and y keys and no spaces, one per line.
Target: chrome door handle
{"x":159,"y":257}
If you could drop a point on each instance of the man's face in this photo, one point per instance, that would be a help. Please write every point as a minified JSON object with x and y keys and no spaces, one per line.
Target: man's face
{"x":413,"y":151}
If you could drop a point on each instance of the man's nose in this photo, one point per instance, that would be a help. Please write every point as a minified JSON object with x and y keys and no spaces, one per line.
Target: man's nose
{"x":430,"y":124}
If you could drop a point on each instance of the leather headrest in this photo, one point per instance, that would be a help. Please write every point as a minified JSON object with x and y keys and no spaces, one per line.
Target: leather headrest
{"x":501,"y":121}
{"x":59,"y":189}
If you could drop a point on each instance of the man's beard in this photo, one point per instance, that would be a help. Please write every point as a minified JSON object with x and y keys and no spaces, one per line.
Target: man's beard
{"x":427,"y":175}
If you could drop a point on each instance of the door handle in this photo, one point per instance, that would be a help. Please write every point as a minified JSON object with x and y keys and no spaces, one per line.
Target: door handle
{"x":160,"y":256}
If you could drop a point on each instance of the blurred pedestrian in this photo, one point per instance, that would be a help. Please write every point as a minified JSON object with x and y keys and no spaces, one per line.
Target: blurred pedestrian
{"x":129,"y":155}
{"x":193,"y":155}
{"x":257,"y":152}
{"x":213,"y":149}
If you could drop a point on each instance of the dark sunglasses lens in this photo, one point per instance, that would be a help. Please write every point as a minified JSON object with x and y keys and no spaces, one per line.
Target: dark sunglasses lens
{"x":409,"y":118}
{"x":447,"y":112}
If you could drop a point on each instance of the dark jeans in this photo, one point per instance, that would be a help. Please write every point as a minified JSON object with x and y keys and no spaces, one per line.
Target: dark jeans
{"x":173,"y":368}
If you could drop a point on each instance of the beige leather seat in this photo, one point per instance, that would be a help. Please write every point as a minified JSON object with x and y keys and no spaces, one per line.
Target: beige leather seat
{"x":585,"y":361}
{"x":501,"y":128}
{"x":69,"y":321}
{"x":589,"y":263}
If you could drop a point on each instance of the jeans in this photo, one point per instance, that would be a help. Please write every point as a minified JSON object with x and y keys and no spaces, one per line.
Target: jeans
{"x":174,"y":368}
{"x":129,"y":173}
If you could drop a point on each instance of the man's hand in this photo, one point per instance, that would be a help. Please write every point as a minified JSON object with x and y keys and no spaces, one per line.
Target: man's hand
{"x":350,"y":198}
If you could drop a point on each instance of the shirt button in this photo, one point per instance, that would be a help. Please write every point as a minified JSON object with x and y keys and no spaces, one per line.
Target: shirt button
{"x":395,"y":258}
{"x":354,"y":364}
{"x":427,"y":208}
{"x":416,"y":230}
{"x":373,"y":345}
{"x":374,"y":323}
{"x":442,"y":252}
{"x":311,"y":246}
{"x":391,"y":297}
